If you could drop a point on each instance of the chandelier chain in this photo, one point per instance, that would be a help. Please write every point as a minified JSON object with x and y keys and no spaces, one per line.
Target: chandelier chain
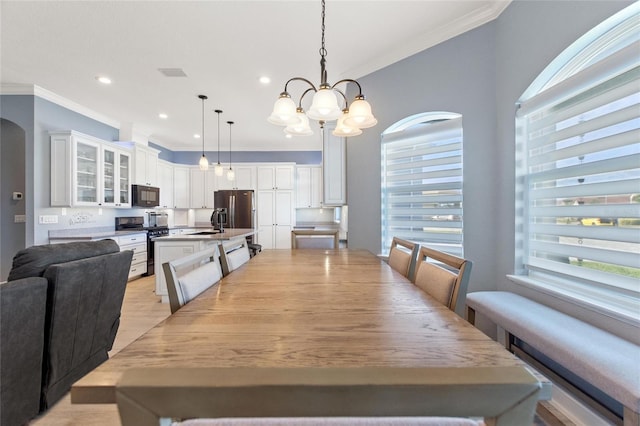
{"x":323,"y":51}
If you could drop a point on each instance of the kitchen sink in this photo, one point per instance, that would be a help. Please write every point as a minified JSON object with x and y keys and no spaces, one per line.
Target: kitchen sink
{"x":205,"y":233}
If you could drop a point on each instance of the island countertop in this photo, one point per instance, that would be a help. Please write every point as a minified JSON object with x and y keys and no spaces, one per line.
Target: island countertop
{"x":209,"y":235}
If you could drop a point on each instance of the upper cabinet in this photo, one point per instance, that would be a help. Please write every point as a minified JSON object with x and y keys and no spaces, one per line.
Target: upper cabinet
{"x":116,"y":177}
{"x":166,"y":184}
{"x":334,"y":168}
{"x":146,"y":170}
{"x":244,"y":179}
{"x":86,"y":171}
{"x":276,"y":176}
{"x":308,"y":186}
{"x":181,"y":187}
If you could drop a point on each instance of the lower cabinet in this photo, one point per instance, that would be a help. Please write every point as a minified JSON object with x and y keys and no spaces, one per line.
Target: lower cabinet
{"x":166,"y":251}
{"x":138,"y":244}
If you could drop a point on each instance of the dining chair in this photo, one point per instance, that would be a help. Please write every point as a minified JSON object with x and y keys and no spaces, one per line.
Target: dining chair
{"x":190,"y":275}
{"x":328,"y":396}
{"x":233,"y":254}
{"x":402,"y":256}
{"x":447,"y":284}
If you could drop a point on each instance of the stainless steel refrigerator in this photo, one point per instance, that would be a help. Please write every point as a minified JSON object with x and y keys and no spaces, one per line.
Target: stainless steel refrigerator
{"x":240,"y":205}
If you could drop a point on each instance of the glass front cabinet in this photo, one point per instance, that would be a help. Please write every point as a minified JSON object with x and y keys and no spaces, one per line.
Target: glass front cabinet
{"x":86,"y":171}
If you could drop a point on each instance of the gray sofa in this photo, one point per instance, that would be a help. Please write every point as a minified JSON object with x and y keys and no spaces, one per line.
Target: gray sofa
{"x":85,"y":288}
{"x":22,"y":309}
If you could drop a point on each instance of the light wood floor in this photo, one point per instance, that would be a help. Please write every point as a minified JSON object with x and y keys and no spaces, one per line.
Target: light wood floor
{"x":140,"y":312}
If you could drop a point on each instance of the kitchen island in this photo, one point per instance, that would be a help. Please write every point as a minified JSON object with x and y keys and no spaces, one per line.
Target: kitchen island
{"x":175,"y":246}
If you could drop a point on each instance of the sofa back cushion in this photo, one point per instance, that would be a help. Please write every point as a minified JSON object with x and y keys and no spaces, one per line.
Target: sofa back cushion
{"x":22,"y":308}
{"x":33,"y":261}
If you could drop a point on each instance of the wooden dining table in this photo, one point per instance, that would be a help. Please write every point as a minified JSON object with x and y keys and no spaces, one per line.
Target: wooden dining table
{"x":304,"y":308}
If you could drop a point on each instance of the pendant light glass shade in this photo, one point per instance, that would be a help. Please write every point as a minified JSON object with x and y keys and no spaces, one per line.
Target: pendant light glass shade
{"x":219,"y":170}
{"x":231,"y":175}
{"x":360,"y":114}
{"x":345,"y":130}
{"x":300,"y":129}
{"x":284,"y":111}
{"x":203,"y":163}
{"x":325,"y":105}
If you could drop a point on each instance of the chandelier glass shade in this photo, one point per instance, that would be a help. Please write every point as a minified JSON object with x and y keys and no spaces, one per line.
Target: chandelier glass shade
{"x":325,"y":105}
{"x":203,"y":163}
{"x":219,"y":170}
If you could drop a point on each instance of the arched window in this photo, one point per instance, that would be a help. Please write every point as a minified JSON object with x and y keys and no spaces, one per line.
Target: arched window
{"x":422,"y":181}
{"x":578,"y":170}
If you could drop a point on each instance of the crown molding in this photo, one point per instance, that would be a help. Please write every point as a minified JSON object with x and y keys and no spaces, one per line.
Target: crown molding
{"x":432,"y":37}
{"x":33,"y":90}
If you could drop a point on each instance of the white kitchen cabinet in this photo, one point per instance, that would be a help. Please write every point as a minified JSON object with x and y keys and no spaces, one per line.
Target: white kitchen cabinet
{"x":245,"y":177}
{"x":146,"y":165}
{"x":87,"y":171}
{"x":203,"y":186}
{"x":308,"y":186}
{"x":334,"y":165}
{"x":116,"y":177}
{"x":276,"y":177}
{"x":275,"y":218}
{"x":138,"y":244}
{"x":181,"y":187}
{"x":165,"y":180}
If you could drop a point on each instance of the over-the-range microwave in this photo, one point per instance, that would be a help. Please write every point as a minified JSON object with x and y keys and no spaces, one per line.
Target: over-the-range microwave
{"x":145,"y":196}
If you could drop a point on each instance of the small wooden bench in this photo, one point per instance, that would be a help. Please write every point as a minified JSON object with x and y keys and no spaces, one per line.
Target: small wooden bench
{"x":585,"y":354}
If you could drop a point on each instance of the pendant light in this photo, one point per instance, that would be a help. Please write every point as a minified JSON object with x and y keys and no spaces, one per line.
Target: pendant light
{"x":219,"y":169}
{"x":324,"y":105}
{"x":204,"y":163}
{"x":231,"y":175}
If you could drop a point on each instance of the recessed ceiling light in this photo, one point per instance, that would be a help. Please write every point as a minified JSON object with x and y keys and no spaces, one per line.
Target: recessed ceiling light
{"x":265,"y":80}
{"x":197,"y":136}
{"x":163,"y":116}
{"x":104,"y":80}
{"x":288,"y":136}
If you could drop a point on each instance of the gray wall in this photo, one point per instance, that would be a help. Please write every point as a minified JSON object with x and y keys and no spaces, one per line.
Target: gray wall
{"x":481,"y":75}
{"x":12,"y":179}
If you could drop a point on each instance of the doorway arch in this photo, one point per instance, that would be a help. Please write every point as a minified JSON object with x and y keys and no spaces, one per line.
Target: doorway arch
{"x":12,"y":179}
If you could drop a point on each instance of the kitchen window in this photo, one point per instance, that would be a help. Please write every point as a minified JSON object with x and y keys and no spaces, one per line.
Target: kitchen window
{"x":578,"y":171}
{"x":422,"y":181}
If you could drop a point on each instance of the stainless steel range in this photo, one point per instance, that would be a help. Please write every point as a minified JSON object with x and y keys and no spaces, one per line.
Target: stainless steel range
{"x":136,"y":223}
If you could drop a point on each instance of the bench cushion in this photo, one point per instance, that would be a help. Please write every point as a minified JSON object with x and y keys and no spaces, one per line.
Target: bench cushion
{"x":609,"y":362}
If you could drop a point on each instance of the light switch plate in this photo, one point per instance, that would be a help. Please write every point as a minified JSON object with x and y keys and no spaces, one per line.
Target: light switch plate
{"x":53,"y":218}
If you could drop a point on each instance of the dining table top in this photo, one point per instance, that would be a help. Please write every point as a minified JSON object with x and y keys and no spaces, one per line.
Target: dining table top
{"x":304,"y":308}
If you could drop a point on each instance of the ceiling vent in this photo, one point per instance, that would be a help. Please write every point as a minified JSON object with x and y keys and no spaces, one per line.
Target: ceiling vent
{"x":172,"y":72}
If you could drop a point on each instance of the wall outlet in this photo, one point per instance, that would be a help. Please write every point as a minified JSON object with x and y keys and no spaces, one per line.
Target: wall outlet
{"x":20,"y":218}
{"x":53,"y":218}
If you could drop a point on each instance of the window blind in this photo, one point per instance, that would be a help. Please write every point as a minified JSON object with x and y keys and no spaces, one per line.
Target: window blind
{"x":422,"y":185}
{"x":580,"y":169}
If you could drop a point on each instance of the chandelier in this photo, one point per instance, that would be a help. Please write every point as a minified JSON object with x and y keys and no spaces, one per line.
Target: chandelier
{"x":324,"y":106}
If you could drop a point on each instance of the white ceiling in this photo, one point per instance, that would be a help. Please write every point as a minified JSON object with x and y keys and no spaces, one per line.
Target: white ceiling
{"x":223,"y":47}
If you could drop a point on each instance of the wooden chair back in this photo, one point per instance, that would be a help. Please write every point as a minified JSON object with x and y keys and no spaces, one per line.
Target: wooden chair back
{"x":402,"y":256}
{"x":233,"y":254}
{"x":190,"y":275}
{"x":501,"y":395}
{"x":448,"y":285}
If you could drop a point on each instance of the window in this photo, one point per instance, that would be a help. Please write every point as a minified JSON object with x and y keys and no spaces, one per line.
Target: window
{"x":422,"y":181}
{"x":578,"y":170}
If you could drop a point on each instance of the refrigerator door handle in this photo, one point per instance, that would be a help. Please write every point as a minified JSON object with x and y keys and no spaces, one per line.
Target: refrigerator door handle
{"x":232,"y":211}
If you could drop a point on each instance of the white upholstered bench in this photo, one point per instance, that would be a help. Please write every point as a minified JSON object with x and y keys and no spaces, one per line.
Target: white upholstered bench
{"x":540,"y":334}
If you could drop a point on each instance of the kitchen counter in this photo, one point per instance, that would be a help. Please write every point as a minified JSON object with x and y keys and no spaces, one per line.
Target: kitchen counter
{"x":228,"y":234}
{"x":88,"y":234}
